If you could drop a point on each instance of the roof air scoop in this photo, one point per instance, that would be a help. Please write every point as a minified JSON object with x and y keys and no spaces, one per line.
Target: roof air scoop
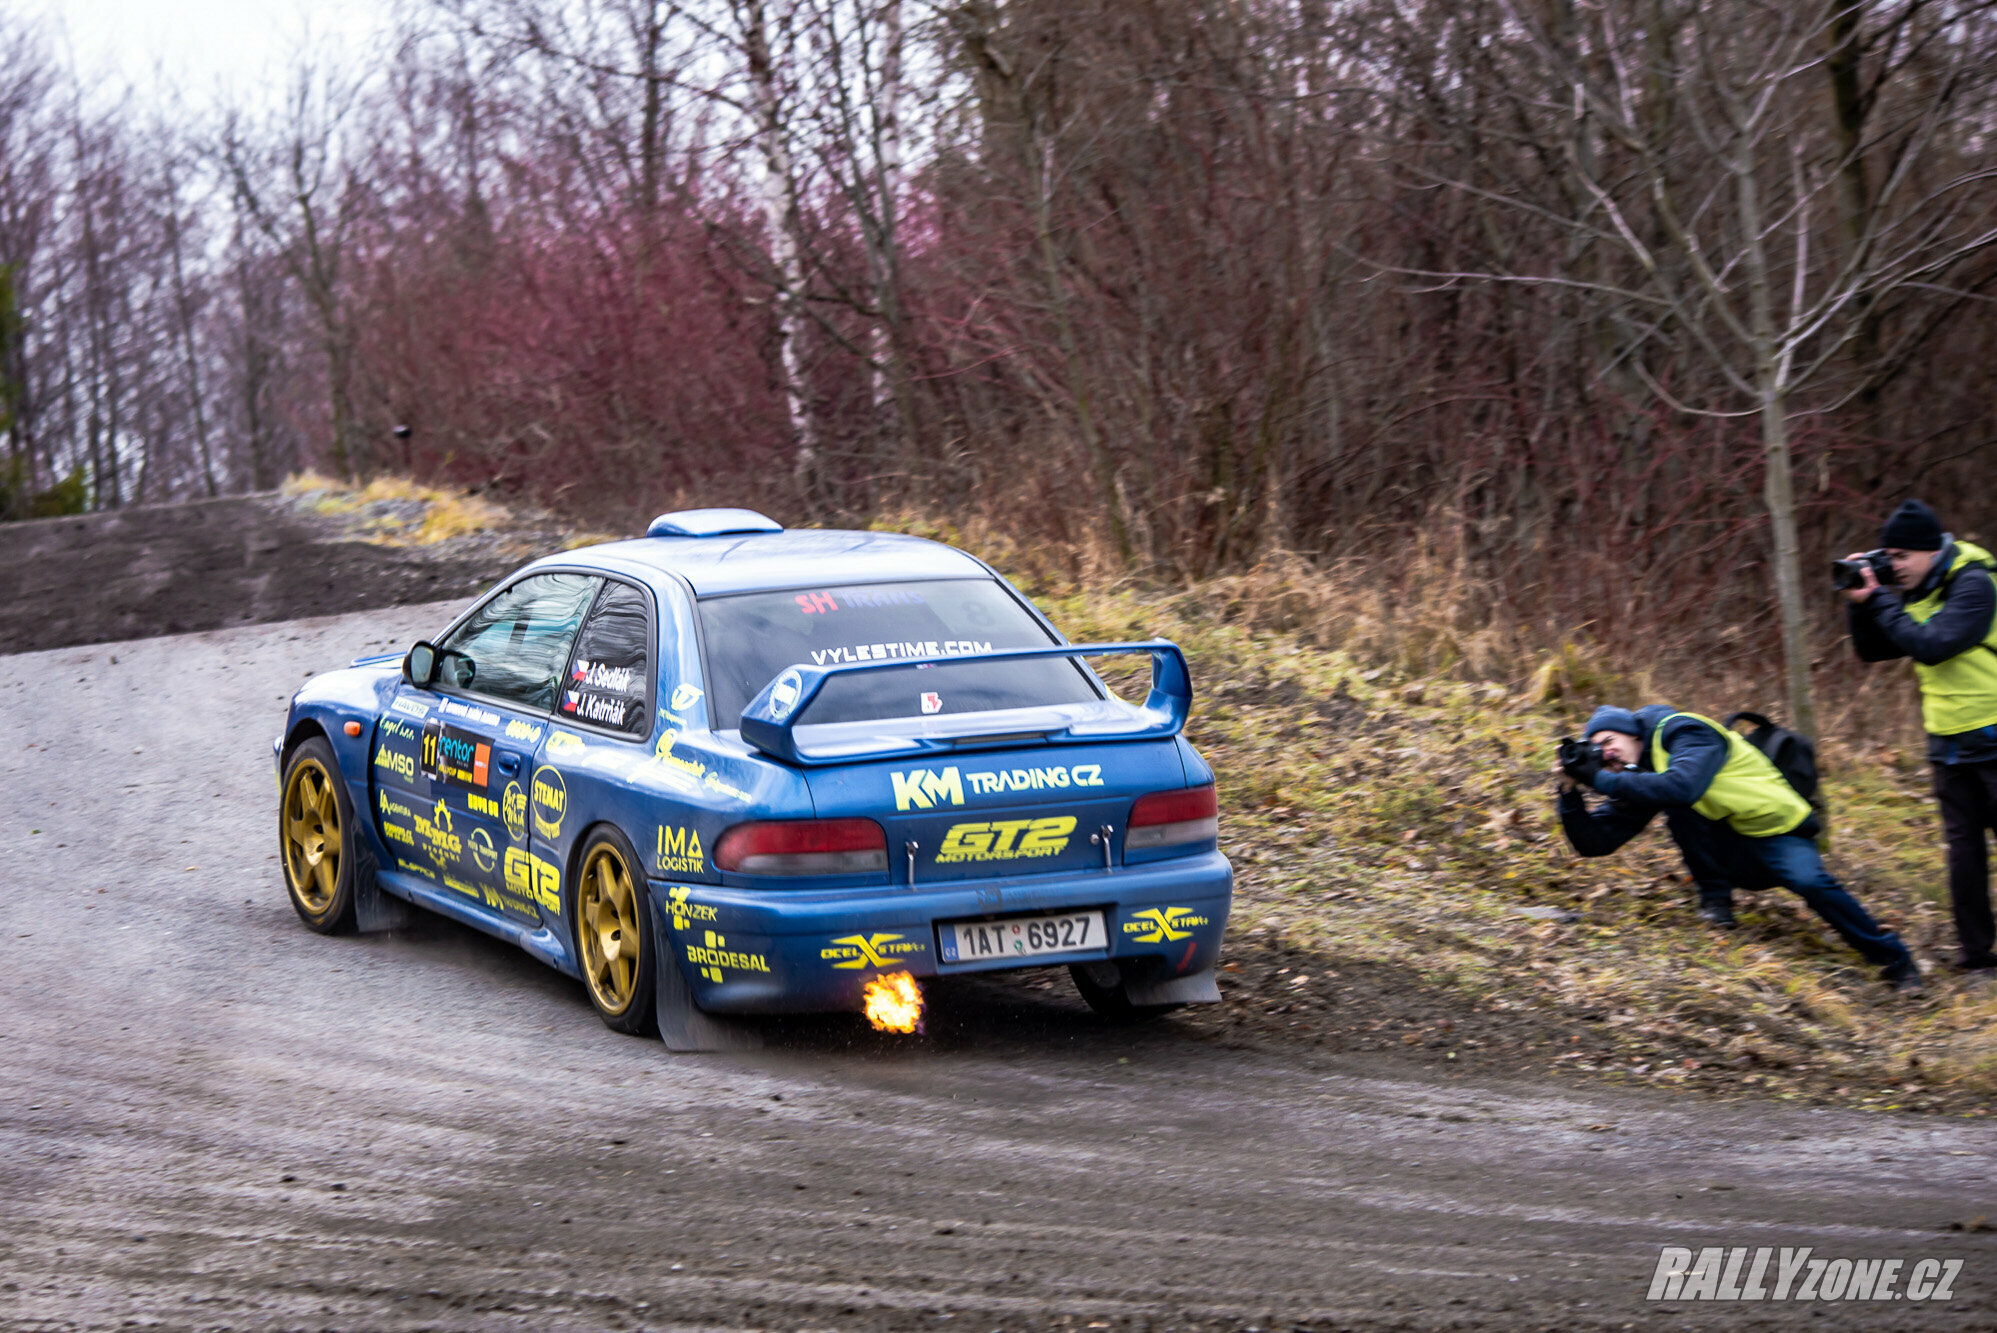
{"x":711,"y":523}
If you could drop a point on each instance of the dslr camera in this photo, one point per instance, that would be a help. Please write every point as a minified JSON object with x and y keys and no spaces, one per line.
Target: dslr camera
{"x":1576,"y":753}
{"x":1849,"y":574}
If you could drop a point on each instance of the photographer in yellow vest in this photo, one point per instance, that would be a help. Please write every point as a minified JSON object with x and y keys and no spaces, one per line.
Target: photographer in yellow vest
{"x":1737,"y":821}
{"x":1939,"y":611}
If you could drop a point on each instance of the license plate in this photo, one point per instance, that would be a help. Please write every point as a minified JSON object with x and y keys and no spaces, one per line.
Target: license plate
{"x":1020,"y":937}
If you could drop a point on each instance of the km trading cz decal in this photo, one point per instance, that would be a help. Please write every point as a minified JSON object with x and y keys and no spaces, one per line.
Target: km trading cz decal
{"x":927,"y":788}
{"x":457,"y":757}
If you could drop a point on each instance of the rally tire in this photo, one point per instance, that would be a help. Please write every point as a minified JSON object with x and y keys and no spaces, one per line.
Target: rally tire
{"x":317,"y":840}
{"x":612,"y":912}
{"x":1112,"y":1001}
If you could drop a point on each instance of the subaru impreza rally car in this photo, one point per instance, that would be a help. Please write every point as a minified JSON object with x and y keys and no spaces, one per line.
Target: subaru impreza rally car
{"x":729,"y":769}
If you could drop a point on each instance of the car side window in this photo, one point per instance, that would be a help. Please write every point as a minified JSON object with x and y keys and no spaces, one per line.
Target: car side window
{"x":609,"y":681}
{"x":514,"y":647}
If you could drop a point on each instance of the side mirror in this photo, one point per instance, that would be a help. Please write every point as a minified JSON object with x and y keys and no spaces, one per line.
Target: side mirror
{"x":420,"y":667}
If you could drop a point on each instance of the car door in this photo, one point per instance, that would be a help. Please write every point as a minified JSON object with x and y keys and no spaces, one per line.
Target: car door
{"x":603,"y":716}
{"x":500,"y":675}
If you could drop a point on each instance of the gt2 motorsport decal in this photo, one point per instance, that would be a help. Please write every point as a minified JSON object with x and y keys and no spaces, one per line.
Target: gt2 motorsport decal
{"x":1006,"y":840}
{"x":534,"y":878}
{"x":684,"y":912}
{"x":457,"y":757}
{"x":513,"y":807}
{"x":1155,"y":925}
{"x":679,"y":852}
{"x":925,"y":789}
{"x":877,"y":950}
{"x":551,"y":802}
{"x":716,"y":957}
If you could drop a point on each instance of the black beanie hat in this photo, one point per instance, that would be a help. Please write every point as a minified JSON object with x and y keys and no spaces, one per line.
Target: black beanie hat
{"x":1913,"y":527}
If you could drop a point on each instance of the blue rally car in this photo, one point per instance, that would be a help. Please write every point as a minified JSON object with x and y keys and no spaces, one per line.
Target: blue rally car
{"x":729,"y":769}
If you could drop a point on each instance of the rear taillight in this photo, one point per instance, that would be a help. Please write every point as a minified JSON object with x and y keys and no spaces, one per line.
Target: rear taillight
{"x":804,"y":847}
{"x":1171,"y":818}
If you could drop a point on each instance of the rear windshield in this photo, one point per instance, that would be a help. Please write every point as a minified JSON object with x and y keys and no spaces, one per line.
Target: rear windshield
{"x":754,"y":636}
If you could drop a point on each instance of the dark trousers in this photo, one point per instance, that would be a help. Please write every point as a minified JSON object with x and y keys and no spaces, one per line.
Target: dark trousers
{"x":1722,"y":860}
{"x":1968,"y":796}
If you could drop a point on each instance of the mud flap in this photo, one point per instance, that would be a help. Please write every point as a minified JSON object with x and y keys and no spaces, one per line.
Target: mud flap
{"x":685,"y":1026}
{"x":1198,"y":988}
{"x":374,"y":908}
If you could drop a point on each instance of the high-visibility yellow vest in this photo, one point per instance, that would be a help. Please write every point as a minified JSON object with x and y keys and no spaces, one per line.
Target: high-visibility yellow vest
{"x":1748,"y":792}
{"x":1960,"y":694}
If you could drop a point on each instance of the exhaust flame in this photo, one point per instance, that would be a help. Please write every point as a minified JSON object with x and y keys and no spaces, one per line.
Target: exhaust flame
{"x":893,"y":1002}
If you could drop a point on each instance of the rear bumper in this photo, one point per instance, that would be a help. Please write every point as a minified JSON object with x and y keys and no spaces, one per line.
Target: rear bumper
{"x":749,"y":951}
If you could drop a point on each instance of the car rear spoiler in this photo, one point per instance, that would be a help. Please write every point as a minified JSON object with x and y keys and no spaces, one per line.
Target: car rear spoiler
{"x":770,"y":721}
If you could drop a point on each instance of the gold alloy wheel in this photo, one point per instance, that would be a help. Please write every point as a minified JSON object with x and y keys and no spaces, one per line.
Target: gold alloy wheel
{"x":312,"y":836}
{"x":607,"y":907}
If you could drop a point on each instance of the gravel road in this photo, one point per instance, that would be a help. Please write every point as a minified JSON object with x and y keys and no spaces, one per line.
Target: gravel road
{"x":211,"y":1118}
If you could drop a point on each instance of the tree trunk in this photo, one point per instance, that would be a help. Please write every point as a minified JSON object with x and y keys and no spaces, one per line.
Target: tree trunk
{"x":1786,"y":560}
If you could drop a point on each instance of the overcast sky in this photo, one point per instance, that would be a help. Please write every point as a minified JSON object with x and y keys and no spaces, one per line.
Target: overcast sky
{"x":239,"y":46}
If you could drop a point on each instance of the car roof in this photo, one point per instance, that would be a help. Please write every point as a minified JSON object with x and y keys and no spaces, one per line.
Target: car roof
{"x":770,"y":561}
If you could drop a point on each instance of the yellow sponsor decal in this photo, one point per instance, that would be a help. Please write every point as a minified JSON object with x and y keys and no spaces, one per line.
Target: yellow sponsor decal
{"x":483,"y":855}
{"x":1155,"y":925}
{"x":440,"y":842}
{"x":925,"y":789}
{"x":517,"y":730}
{"x":663,"y":753}
{"x":402,"y":765}
{"x":680,"y":852}
{"x":513,"y":807}
{"x":551,"y":802}
{"x":564,"y":742}
{"x":397,"y":833}
{"x":534,"y":878}
{"x":469,"y":890}
{"x":685,"y":913}
{"x":1006,"y":840}
{"x":685,"y":697}
{"x":876,"y":950}
{"x":482,"y":805}
{"x":715,"y":958}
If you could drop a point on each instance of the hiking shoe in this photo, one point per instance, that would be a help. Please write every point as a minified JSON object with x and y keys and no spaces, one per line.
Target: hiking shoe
{"x":1904,"y":977}
{"x":1719,"y":918}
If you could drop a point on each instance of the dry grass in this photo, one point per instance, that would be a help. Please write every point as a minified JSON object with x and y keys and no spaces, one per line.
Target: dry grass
{"x":395,"y":511}
{"x":1383,"y":755}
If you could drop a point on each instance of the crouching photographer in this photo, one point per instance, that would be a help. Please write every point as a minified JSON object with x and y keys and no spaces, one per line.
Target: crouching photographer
{"x":1939,"y":611}
{"x":1737,"y":821}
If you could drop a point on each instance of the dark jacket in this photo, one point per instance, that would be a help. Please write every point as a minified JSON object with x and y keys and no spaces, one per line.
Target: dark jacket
{"x":1881,"y":630}
{"x":1694,"y":755}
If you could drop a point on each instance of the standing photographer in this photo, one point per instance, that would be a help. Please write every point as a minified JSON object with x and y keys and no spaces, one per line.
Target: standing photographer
{"x":1943,"y":620}
{"x":1737,"y":821}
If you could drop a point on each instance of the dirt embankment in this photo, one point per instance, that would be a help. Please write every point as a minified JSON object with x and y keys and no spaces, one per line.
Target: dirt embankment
{"x":172,"y":569}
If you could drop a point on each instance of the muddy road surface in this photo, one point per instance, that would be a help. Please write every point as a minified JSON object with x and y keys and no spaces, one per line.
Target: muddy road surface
{"x":213,"y":1119}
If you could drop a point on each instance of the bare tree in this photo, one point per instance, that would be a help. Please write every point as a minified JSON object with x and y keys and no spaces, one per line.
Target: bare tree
{"x":1702,"y":183}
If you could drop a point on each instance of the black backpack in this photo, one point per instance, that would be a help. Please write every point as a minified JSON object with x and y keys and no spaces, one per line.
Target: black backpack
{"x":1793,"y":754}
